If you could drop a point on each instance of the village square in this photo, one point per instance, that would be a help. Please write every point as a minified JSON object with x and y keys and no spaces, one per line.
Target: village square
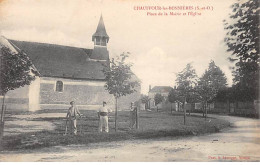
{"x":97,"y":103}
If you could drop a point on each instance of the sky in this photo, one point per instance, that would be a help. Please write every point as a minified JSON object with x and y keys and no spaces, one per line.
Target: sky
{"x":160,"y":46}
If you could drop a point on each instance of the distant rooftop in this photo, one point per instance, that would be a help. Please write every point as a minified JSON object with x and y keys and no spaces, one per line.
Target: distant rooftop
{"x":161,"y":89}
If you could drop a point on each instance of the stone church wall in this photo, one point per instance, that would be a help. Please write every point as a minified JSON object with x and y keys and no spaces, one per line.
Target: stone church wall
{"x":86,"y":94}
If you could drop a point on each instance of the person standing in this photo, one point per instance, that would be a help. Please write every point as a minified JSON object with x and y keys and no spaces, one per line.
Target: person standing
{"x":72,"y":116}
{"x":133,"y":111}
{"x":103,"y":117}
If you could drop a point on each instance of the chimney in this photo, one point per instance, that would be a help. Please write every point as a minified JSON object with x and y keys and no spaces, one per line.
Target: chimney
{"x":150,"y":87}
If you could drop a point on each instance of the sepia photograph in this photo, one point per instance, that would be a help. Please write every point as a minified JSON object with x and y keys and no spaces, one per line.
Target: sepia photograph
{"x":129,"y":81}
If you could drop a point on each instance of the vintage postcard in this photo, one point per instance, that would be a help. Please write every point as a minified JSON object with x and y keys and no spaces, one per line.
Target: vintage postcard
{"x":129,"y":81}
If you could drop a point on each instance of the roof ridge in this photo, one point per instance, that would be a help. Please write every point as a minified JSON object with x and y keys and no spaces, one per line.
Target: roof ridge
{"x":49,"y":44}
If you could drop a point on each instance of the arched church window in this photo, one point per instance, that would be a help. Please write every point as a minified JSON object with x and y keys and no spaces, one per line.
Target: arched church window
{"x":98,"y":41}
{"x":103,"y":42}
{"x":59,"y":86}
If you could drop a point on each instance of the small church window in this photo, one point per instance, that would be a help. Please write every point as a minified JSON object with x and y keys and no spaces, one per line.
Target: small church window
{"x":59,"y":86}
{"x":103,"y":42}
{"x":98,"y":41}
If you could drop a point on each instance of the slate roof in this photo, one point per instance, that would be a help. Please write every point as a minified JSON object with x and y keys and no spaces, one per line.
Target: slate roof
{"x":161,"y":89}
{"x":101,"y":30}
{"x":61,"y":61}
{"x":100,"y":53}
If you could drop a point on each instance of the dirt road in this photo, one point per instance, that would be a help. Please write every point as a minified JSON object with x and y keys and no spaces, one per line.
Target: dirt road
{"x":239,"y":143}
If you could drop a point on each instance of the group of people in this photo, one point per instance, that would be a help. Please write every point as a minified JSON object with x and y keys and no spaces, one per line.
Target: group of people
{"x":103,"y":112}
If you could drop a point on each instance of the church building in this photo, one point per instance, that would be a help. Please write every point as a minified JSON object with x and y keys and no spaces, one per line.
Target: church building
{"x":66,"y":73}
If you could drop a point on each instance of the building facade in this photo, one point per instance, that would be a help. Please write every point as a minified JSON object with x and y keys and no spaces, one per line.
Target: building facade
{"x":65,"y":74}
{"x":163,"y":90}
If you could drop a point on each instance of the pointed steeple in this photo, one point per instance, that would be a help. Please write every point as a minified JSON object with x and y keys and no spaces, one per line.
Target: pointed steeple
{"x":101,"y":31}
{"x":100,"y":39}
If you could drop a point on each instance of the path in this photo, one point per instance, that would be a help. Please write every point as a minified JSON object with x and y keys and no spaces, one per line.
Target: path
{"x":240,"y":143}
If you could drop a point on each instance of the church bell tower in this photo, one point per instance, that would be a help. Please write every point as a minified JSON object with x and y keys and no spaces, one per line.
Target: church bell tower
{"x":100,"y":39}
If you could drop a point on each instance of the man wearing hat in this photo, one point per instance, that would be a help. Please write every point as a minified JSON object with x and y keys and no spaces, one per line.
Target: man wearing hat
{"x":103,"y":117}
{"x":72,"y":116}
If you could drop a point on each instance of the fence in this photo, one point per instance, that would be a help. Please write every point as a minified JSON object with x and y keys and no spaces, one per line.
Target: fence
{"x":249,"y":108}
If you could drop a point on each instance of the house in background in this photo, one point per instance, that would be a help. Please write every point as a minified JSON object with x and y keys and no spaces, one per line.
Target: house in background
{"x":66,"y":74}
{"x":163,"y":90}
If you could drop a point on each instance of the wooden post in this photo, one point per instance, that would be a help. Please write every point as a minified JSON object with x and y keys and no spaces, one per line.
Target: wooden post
{"x":137,"y":116}
{"x":2,"y":113}
{"x":256,"y":109}
{"x":2,"y":126}
{"x":206,"y":106}
{"x":2,"y":118}
{"x":184,"y":116}
{"x":202,"y":107}
{"x":235,"y":107}
{"x":171,"y":108}
{"x":184,"y":107}
{"x":116,"y":116}
{"x":3,"y":108}
{"x":228,"y":105}
{"x":190,"y":109}
{"x":71,"y":128}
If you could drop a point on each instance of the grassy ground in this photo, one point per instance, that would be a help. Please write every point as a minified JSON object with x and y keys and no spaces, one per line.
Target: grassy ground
{"x":151,"y":125}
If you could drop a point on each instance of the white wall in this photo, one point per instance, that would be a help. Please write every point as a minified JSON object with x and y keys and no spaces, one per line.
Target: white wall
{"x":34,"y":95}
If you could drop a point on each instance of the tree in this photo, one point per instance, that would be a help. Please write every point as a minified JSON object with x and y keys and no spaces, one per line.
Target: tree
{"x":192,"y":98}
{"x":145,"y":100}
{"x":173,"y":97}
{"x":242,"y":39}
{"x":186,"y":80}
{"x":210,"y":83}
{"x":216,"y":76}
{"x":118,"y":79}
{"x":158,"y":98}
{"x":16,"y":71}
{"x":227,"y":94}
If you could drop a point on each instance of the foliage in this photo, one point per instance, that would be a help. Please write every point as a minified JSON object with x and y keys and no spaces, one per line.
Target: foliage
{"x":158,"y":98}
{"x":216,"y":76}
{"x":211,"y":82}
{"x":242,"y":39}
{"x":145,"y":99}
{"x":193,"y":96}
{"x":206,"y":90}
{"x":118,"y":77}
{"x":16,"y":70}
{"x":235,"y":93}
{"x":173,"y":96}
{"x":225,"y":94}
{"x":186,"y":81}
